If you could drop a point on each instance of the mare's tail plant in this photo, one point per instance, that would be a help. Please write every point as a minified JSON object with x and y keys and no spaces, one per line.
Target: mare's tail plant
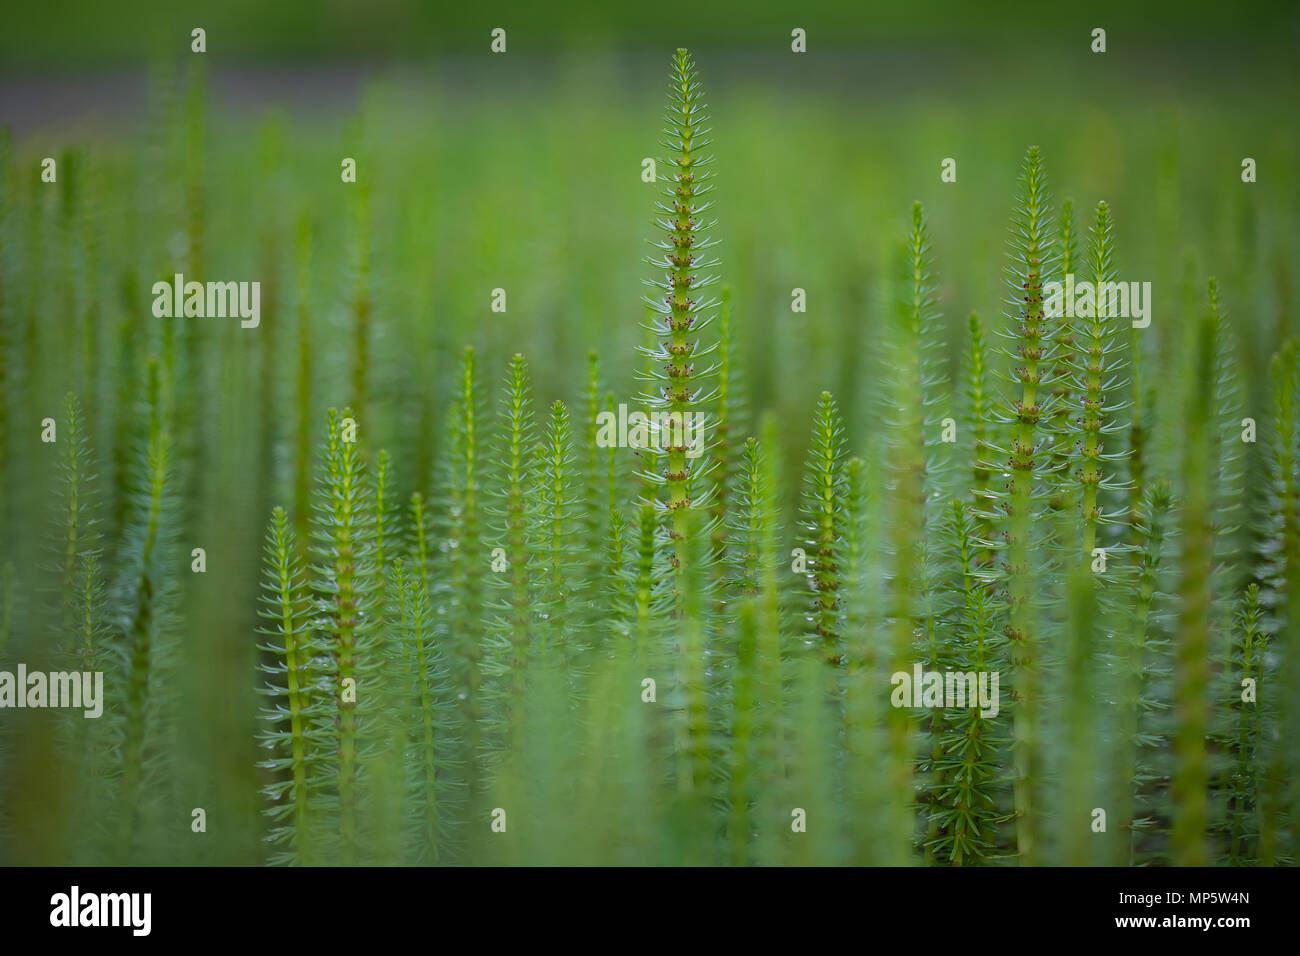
{"x":1140,"y":666}
{"x":1029,"y":449}
{"x":1281,"y":592}
{"x":1097,"y":378}
{"x":467,"y":577}
{"x":912,"y":438}
{"x":425,"y":693}
{"x":288,"y":716}
{"x":823,"y":525}
{"x":559,"y":565}
{"x":147,"y":619}
{"x":512,"y":516}
{"x":964,"y":814}
{"x":1191,"y":674}
{"x":562,"y":650}
{"x":345,"y":586}
{"x":680,"y":312}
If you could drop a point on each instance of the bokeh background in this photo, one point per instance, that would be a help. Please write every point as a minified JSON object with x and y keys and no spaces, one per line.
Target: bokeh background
{"x":522,"y":171}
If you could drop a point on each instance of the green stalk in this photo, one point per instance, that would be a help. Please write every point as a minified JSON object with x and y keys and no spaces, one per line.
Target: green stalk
{"x":644,"y":583}
{"x":344,"y":548}
{"x":285,"y":609}
{"x":1190,"y":779}
{"x":615,"y":568}
{"x":1093,"y":367}
{"x":745,"y":521}
{"x":416,"y":629}
{"x":770,"y":771}
{"x":515,"y":463}
{"x":823,"y":510}
{"x":589,"y":456}
{"x":1289,"y":637}
{"x":385,"y":527}
{"x":1246,"y":664}
{"x":420,"y":539}
{"x":140,"y":632}
{"x":1284,"y":592}
{"x":468,"y":570}
{"x":559,"y":566}
{"x":1136,"y":671}
{"x":76,"y":518}
{"x":979,"y":412}
{"x":862,"y":718}
{"x":1137,"y":432}
{"x":967,"y":811}
{"x":724,"y":474}
{"x":742,"y":731}
{"x":1031,"y":261}
{"x":746,"y":531}
{"x":694,"y":764}
{"x":1063,"y":386}
{"x":1079,"y":717}
{"x":679,"y":314}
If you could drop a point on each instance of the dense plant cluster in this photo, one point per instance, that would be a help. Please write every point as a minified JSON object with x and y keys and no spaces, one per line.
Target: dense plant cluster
{"x":519,"y":642}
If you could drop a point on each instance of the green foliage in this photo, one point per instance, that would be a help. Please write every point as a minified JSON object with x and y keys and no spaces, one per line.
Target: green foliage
{"x":680,"y":312}
{"x":345,"y":586}
{"x":823,"y":517}
{"x":286,"y":608}
{"x":514,"y":513}
{"x":1281,"y":576}
{"x":426,"y":695}
{"x":621,"y":649}
{"x":1098,"y":376}
{"x":558,"y":558}
{"x":964,"y":811}
{"x":1032,"y":262}
{"x":1064,"y":382}
{"x":147,"y":620}
{"x":1243,"y":676}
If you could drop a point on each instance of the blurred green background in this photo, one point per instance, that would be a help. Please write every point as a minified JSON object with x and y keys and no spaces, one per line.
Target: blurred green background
{"x":84,"y":32}
{"x":522,"y":171}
